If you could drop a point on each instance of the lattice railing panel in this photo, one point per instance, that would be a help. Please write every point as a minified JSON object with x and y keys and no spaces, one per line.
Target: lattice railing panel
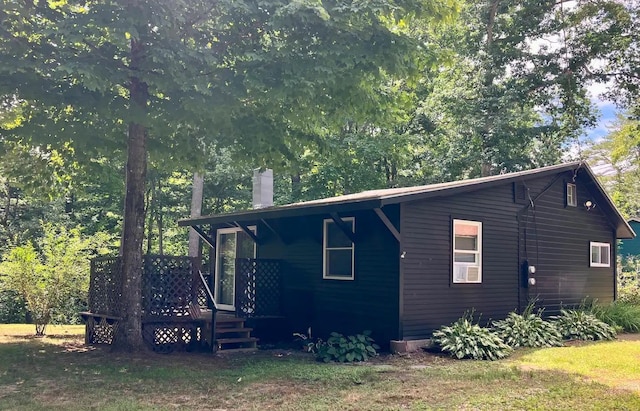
{"x":100,"y":331}
{"x":168,"y":336}
{"x":168,"y":285}
{"x":258,"y":287}
{"x":105,"y":286}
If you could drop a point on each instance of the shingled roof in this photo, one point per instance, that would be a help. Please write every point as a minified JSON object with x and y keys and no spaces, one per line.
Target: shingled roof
{"x":379,"y":198}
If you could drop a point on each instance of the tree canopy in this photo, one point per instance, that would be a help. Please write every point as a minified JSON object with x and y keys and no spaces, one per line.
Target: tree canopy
{"x":124,"y":78}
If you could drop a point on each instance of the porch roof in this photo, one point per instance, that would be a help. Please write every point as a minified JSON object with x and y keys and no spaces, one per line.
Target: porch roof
{"x":372,"y":199}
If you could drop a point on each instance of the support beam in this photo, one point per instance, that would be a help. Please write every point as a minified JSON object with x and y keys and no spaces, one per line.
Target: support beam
{"x":346,"y":229}
{"x":204,"y":236}
{"x":250,"y":233}
{"x":385,"y":220}
{"x":273,"y":230}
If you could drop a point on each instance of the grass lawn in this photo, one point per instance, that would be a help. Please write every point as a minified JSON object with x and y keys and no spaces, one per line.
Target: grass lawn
{"x":58,"y":372}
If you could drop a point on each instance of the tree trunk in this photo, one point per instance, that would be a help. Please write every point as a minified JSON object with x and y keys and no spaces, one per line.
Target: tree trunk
{"x":296,"y":188}
{"x":487,"y":157}
{"x":159,"y":219}
{"x":196,"y":209}
{"x":129,"y":332}
{"x":150,"y":198}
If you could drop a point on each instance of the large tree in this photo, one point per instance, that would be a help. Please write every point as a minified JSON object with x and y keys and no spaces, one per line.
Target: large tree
{"x":167,"y":77}
{"x":507,"y":99}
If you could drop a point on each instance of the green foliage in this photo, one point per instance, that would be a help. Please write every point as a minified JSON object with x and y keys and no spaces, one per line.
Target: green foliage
{"x":465,"y":339}
{"x":527,"y":330}
{"x":352,"y":348}
{"x":52,"y":277}
{"x":620,"y":148}
{"x":620,"y":315}
{"x":12,"y":306}
{"x":581,"y":325}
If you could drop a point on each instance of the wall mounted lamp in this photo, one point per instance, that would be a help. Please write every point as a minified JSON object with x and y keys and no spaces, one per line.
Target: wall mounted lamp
{"x":589,"y":205}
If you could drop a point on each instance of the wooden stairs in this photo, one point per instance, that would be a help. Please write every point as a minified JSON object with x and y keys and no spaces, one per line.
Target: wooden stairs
{"x":233,"y":336}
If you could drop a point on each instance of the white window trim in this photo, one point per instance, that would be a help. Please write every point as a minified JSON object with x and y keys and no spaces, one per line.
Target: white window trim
{"x":478,"y":252}
{"x":599,"y":245}
{"x":571,"y":188}
{"x":325,"y":249}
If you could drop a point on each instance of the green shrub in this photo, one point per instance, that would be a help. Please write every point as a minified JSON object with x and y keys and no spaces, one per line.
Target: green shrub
{"x":464,"y":339}
{"x":581,"y":325}
{"x":629,"y":280}
{"x":527,"y":330}
{"x":621,"y":315}
{"x":353,"y":348}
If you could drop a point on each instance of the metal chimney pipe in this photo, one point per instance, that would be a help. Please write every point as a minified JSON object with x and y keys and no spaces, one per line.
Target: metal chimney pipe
{"x":262,"y":188}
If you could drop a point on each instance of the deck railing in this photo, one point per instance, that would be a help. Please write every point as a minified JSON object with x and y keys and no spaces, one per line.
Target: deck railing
{"x":170,"y":285}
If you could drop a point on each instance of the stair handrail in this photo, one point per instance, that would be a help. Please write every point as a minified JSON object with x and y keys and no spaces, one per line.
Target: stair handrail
{"x":208,"y":290}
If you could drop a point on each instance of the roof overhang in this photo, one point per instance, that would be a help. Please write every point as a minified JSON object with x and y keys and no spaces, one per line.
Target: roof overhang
{"x":380,"y":198}
{"x":292,"y":210}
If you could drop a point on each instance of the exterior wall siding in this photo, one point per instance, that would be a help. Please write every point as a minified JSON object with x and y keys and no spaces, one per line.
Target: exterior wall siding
{"x":556,"y":241}
{"x":369,"y":302}
{"x":430,"y":298}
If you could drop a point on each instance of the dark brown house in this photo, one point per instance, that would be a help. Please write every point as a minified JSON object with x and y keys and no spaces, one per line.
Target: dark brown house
{"x":405,"y":261}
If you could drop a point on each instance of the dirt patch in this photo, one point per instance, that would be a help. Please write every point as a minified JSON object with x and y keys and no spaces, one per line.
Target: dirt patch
{"x":8,"y":389}
{"x":629,"y":337}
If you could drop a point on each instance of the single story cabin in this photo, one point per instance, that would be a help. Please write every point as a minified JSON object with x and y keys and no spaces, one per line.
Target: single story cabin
{"x":404,"y":261}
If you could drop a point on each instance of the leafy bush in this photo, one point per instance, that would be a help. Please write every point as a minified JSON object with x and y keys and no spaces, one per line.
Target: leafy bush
{"x":581,"y":325}
{"x":464,"y":339}
{"x":339,"y":348}
{"x":527,"y":330}
{"x":621,"y":315}
{"x":629,"y":280}
{"x":52,"y":275}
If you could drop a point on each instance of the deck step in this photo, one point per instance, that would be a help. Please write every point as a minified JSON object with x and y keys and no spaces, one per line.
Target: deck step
{"x":233,"y":330}
{"x":235,"y":350}
{"x":228,"y":319}
{"x":236,"y":340}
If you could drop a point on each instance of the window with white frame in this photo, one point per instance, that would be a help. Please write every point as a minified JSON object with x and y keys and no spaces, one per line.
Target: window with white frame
{"x":338,"y":250}
{"x":467,"y":251}
{"x":572,"y":195}
{"x":600,"y":254}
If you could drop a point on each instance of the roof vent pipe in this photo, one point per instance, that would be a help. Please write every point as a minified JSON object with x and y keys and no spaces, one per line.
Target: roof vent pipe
{"x":262,"y":188}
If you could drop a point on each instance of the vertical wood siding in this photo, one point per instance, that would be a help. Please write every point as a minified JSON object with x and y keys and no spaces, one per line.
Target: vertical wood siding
{"x":369,"y":302}
{"x":431,"y":300}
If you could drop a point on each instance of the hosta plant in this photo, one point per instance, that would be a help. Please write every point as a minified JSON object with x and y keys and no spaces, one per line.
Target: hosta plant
{"x":465,"y":339}
{"x":352,"y":348}
{"x":527,"y":330}
{"x":580,"y":325}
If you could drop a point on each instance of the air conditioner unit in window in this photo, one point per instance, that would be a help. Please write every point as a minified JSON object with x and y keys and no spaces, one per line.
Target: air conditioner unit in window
{"x":473,"y":274}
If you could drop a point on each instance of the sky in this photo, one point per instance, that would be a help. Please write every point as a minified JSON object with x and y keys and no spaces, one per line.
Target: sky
{"x":607,"y":112}
{"x":606,"y":119}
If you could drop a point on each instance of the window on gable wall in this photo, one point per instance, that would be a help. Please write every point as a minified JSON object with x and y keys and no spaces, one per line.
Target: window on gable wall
{"x":338,"y":251}
{"x":600,"y":254}
{"x":572,"y":195}
{"x":467,"y":251}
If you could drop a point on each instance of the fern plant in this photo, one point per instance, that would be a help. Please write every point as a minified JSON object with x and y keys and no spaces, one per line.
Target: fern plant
{"x":581,"y":325}
{"x":527,"y":330}
{"x":465,"y":339}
